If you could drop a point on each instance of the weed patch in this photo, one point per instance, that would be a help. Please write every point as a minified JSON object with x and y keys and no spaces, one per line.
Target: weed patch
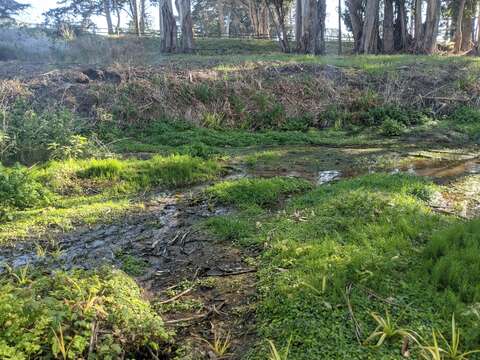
{"x":451,"y":261}
{"x":256,"y":192}
{"x":54,"y":316}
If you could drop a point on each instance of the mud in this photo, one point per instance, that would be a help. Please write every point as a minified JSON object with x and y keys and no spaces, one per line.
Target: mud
{"x":167,"y":238}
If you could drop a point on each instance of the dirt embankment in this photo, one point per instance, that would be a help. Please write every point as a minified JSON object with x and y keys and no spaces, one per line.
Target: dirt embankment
{"x":240,"y":95}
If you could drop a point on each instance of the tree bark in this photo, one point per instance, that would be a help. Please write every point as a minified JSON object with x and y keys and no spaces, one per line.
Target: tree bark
{"x":117,"y":12}
{"x":369,"y":40}
{"x":168,"y":27}
{"x":467,"y":29}
{"x":388,"y":45}
{"x":278,"y":17}
{"x":142,"y":16}
{"x":135,"y":16}
{"x":418,"y":25}
{"x":308,"y":34}
{"x":107,"y":6}
{"x":458,"y":27}
{"x":402,"y":25}
{"x":221,"y":17}
{"x":356,"y":19}
{"x":478,"y":31}
{"x":298,"y":24}
{"x":320,"y":27}
{"x":186,"y":25}
{"x":340,"y":50}
{"x":431,"y":27}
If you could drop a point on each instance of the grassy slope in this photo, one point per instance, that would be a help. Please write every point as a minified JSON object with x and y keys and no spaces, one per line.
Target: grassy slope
{"x":340,"y":244}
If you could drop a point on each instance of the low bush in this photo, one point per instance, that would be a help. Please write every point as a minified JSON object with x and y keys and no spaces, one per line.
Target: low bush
{"x":29,"y":135}
{"x":391,"y":127}
{"x":465,"y":114}
{"x":55,"y":315}
{"x":376,"y":116}
{"x":20,"y":190}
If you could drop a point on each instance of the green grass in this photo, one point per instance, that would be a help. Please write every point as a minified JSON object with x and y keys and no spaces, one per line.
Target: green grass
{"x":42,"y":315}
{"x":452,"y":261}
{"x":230,"y":227}
{"x":96,"y":190}
{"x":132,"y":265}
{"x":181,"y":137}
{"x":373,"y":64}
{"x":263,"y":157}
{"x":167,"y":171}
{"x":367,"y":235}
{"x":246,"y":192}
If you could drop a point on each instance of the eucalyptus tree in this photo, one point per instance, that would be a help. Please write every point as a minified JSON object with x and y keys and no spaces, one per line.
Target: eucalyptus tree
{"x":310,"y":31}
{"x":10,"y":8}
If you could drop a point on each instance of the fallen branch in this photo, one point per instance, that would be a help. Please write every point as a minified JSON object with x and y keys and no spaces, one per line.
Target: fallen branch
{"x":178,"y":296}
{"x":245,"y":271}
{"x":375,"y":295}
{"x":358,"y":330}
{"x":195,"y":317}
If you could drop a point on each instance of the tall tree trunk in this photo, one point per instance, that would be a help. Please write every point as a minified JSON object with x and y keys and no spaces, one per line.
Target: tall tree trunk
{"x":221,"y":17}
{"x":228,"y":22}
{"x":418,"y":25}
{"x":168,"y":27}
{"x":431,"y":27}
{"x":279,"y":23}
{"x":309,"y":14}
{"x":402,"y":22}
{"x":298,"y":24}
{"x":320,"y":27}
{"x":369,"y":40}
{"x":340,"y":50}
{"x":142,"y":16}
{"x":186,"y":25}
{"x":388,"y":45}
{"x":467,"y":28}
{"x":117,"y":12}
{"x":478,"y":31}
{"x":135,"y":16}
{"x":107,"y":6}
{"x":356,"y":19}
{"x":458,"y":27}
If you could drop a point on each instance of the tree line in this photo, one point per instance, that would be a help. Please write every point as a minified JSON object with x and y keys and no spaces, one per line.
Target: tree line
{"x":377,"y":26}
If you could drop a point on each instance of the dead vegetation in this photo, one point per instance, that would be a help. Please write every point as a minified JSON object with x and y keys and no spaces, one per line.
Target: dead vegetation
{"x":219,"y":98}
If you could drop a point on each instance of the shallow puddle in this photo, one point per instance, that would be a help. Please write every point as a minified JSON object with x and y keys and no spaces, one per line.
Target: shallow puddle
{"x":448,"y":169}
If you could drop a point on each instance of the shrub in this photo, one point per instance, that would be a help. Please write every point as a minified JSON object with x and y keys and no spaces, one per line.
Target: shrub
{"x":391,"y":127}
{"x":20,"y":190}
{"x":300,"y":123}
{"x":61,"y":309}
{"x":465,"y":114}
{"x":452,"y":256}
{"x":379,"y":114}
{"x":29,"y":135}
{"x":204,"y":93}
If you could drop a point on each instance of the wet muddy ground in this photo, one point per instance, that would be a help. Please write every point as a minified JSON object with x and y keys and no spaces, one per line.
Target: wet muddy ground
{"x":201,"y":285}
